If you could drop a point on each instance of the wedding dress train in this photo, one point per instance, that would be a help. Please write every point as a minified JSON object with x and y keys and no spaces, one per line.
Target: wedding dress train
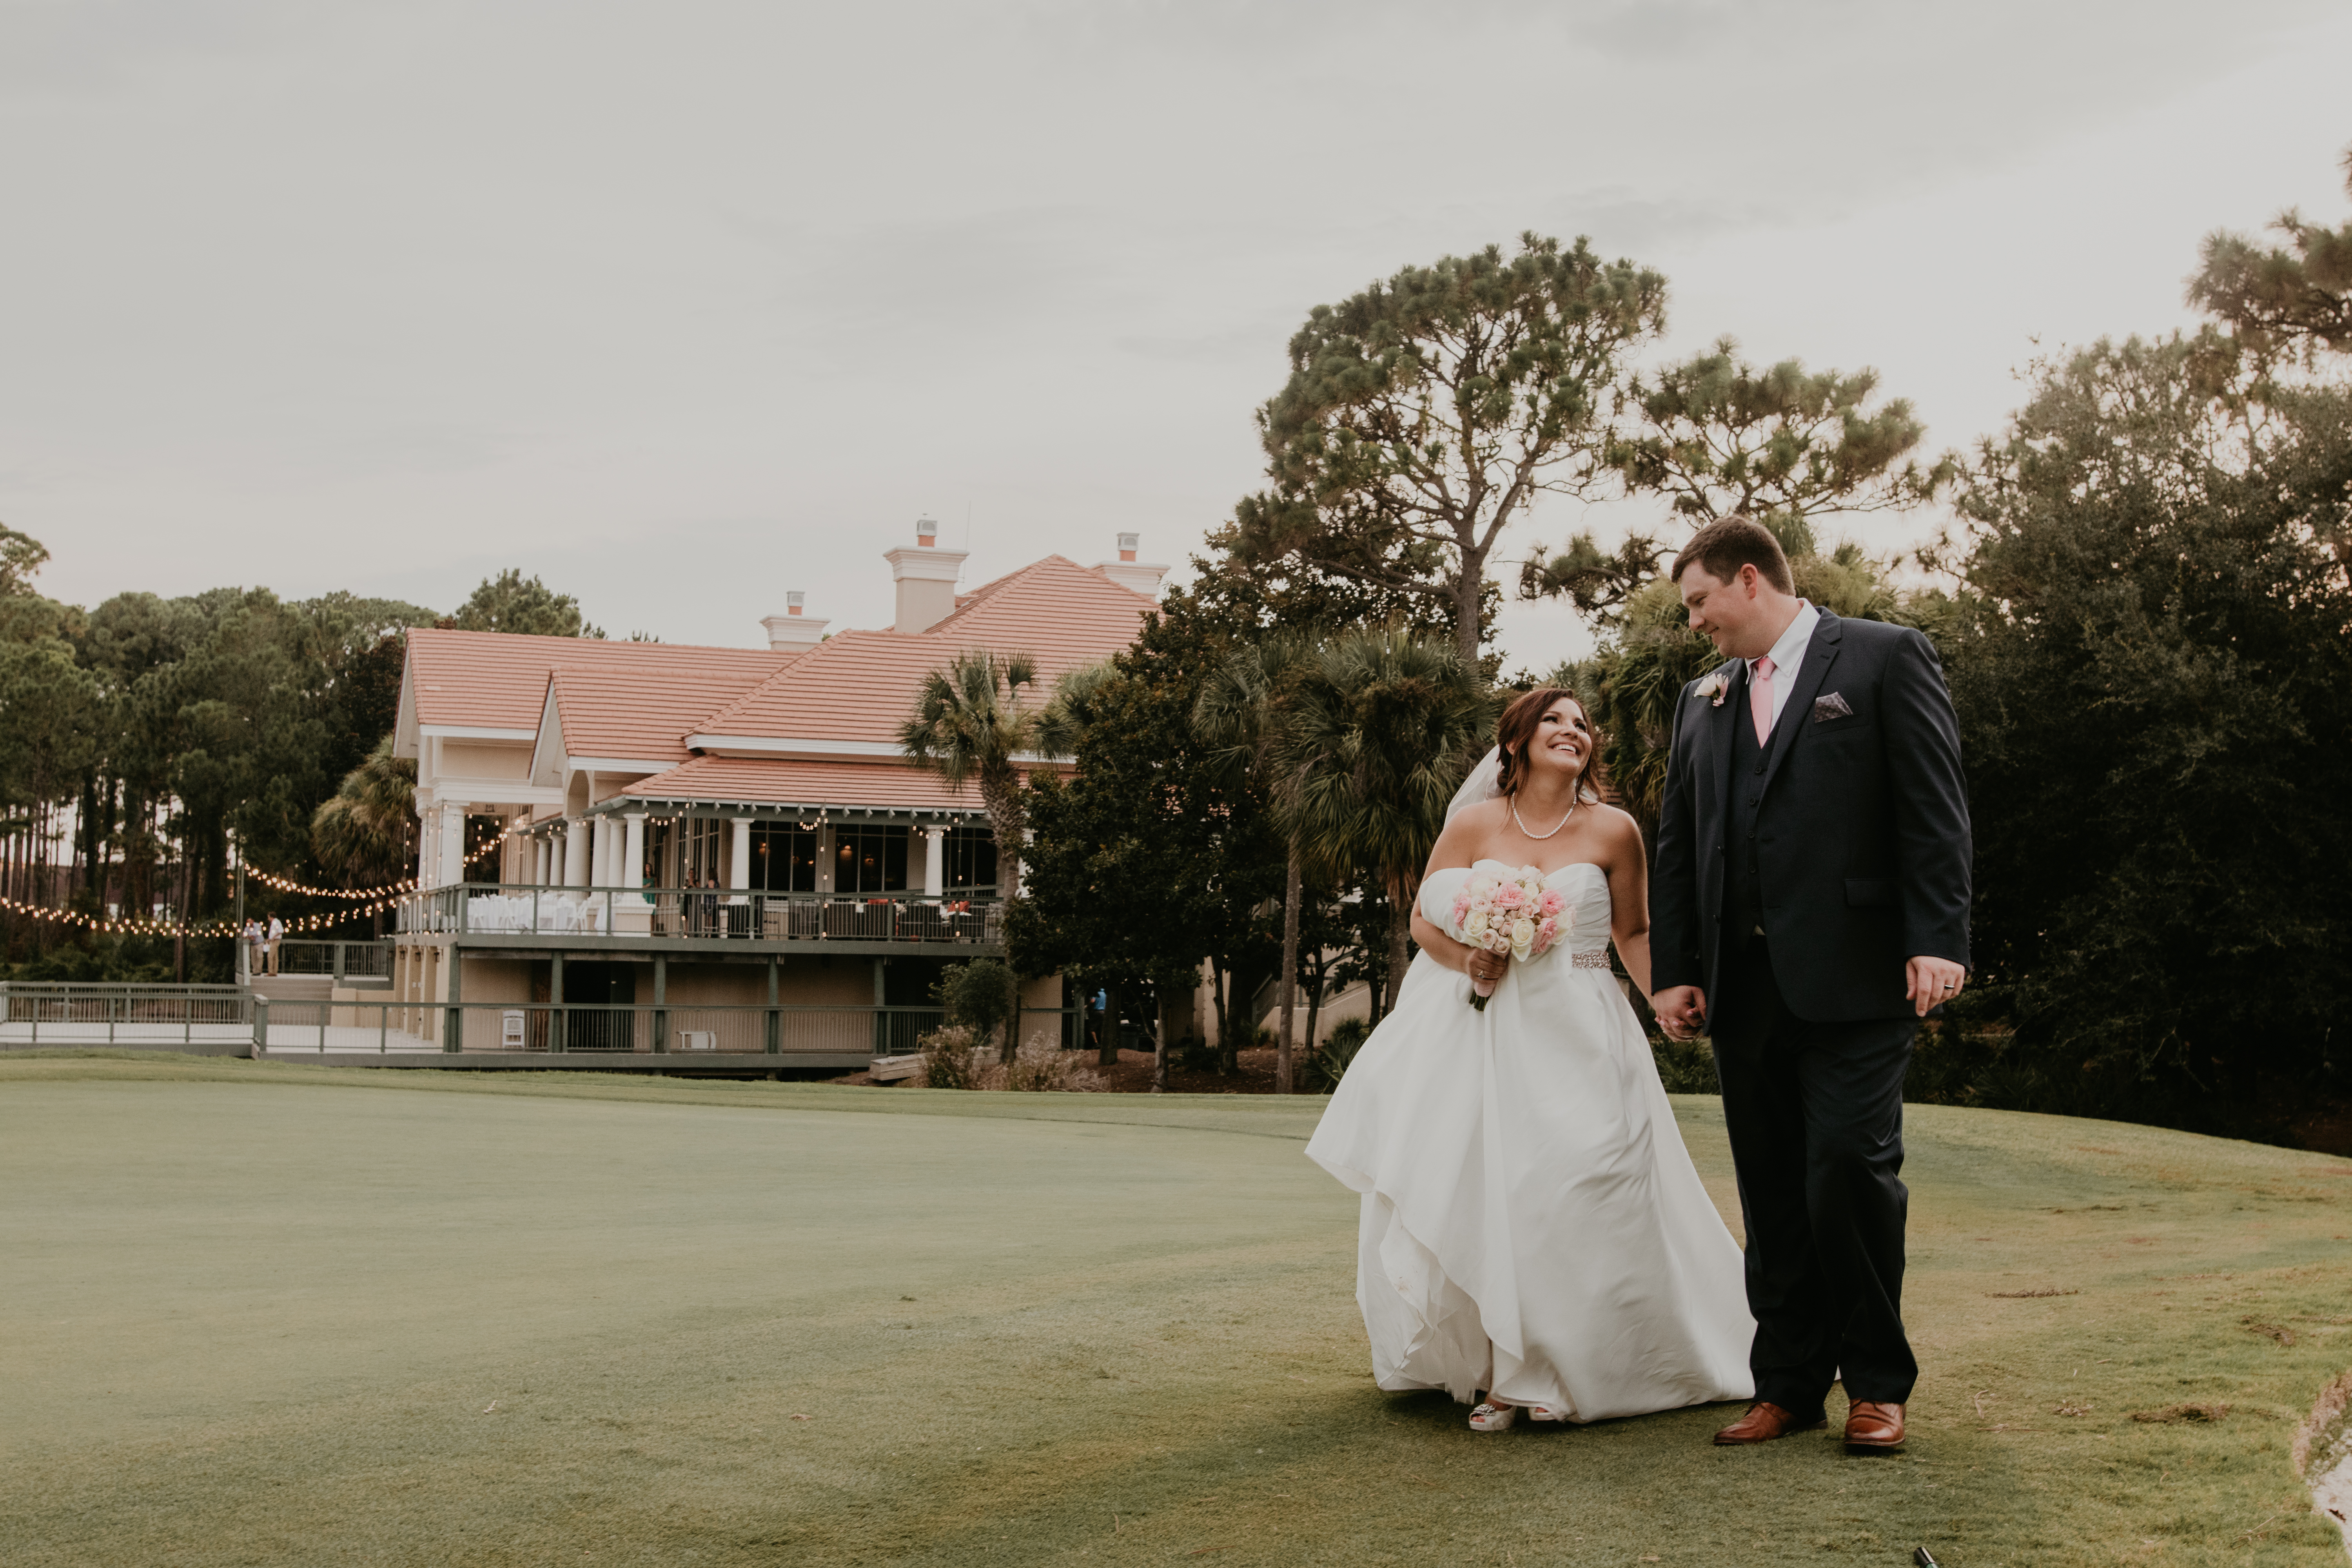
{"x":1531,"y":1223}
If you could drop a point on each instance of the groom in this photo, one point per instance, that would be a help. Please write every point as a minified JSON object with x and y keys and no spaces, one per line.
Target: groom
{"x":1811,"y":905}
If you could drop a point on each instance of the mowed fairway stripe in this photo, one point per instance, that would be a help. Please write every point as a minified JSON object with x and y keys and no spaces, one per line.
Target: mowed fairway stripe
{"x":265,"y":1314}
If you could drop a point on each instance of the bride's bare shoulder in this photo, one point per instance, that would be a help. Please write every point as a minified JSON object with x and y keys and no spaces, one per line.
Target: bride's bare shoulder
{"x":1465,"y":838}
{"x":1485,"y":817}
{"x":1618,"y":829}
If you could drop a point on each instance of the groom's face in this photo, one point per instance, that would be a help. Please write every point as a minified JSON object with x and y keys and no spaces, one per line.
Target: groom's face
{"x":1730,"y":615}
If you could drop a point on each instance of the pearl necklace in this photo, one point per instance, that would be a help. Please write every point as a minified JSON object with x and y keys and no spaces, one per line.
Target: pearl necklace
{"x":1540,"y":838}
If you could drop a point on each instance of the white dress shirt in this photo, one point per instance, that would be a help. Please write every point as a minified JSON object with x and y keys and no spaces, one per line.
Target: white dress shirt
{"x":1788,"y":655}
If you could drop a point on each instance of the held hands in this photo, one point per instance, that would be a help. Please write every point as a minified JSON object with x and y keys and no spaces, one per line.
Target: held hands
{"x":1487,"y":967}
{"x":1932,"y":982}
{"x":1681,"y":1010}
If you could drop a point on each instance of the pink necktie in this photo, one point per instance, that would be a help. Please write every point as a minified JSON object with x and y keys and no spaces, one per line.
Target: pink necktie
{"x":1759,"y":698}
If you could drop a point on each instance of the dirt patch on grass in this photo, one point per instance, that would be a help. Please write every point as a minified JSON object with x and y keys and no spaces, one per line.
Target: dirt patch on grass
{"x":2176,"y":1413}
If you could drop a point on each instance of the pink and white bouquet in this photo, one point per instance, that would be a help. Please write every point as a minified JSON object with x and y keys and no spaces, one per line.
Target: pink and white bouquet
{"x":1510,"y":912}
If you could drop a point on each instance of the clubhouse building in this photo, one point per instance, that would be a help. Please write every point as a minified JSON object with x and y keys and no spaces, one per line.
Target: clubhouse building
{"x":682,"y":850}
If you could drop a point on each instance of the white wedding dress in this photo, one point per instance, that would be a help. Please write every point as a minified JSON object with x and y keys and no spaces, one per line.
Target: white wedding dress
{"x":1531,"y":1222}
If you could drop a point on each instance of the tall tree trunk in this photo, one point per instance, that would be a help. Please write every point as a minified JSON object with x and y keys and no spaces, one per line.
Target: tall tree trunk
{"x":1314,"y":1002}
{"x":1400,"y":938}
{"x":1289,"y":991}
{"x":1469,"y":586}
{"x":1217,"y":980}
{"x":1159,"y":1051}
{"x":1106,"y":1047}
{"x":180,"y":926}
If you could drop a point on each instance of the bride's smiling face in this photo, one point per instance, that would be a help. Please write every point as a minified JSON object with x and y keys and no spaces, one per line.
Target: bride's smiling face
{"x":1562,"y":744}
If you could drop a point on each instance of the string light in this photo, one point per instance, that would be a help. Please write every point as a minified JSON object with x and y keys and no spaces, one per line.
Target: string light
{"x":392,"y":891}
{"x":381,"y":899}
{"x":119,"y":927}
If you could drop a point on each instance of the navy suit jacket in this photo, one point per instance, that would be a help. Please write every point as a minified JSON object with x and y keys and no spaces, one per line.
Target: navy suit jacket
{"x":1862,"y":829}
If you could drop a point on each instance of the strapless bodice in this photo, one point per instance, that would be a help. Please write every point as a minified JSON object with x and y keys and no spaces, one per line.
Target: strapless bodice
{"x":1587,"y":908}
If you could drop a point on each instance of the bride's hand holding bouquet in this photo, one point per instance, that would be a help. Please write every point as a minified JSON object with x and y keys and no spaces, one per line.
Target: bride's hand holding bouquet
{"x":1511,"y":913}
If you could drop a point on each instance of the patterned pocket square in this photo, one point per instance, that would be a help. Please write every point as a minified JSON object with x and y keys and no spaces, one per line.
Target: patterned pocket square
{"x":1830,"y":707}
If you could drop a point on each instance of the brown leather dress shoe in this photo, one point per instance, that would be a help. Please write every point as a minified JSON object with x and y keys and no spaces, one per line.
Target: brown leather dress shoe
{"x":1764,"y":1422}
{"x":1872,"y":1426}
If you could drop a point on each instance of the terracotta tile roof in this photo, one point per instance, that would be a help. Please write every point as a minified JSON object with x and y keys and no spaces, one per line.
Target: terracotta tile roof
{"x":859,"y":686}
{"x":641,"y":710}
{"x":775,"y":781}
{"x":498,"y":680}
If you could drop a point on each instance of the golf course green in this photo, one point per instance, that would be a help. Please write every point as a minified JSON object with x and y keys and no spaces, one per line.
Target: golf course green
{"x":268,"y":1313}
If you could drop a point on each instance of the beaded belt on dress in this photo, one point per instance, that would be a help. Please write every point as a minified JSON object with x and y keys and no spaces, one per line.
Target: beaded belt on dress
{"x":1597,"y":959}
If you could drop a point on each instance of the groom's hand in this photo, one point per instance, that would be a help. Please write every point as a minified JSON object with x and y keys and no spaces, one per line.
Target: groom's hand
{"x":1933,"y":981}
{"x":1681,"y":1010}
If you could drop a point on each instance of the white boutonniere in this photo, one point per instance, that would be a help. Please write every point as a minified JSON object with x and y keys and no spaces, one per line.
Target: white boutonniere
{"x":1714,"y":685}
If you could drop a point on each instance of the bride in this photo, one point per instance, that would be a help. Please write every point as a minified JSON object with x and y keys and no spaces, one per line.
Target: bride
{"x":1532,"y":1228}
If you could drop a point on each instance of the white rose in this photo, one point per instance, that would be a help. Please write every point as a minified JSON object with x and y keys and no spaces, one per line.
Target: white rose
{"x":1474,"y":928}
{"x":1523,"y":937}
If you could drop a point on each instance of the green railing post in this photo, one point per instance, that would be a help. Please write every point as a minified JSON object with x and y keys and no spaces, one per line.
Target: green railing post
{"x":555,"y":999}
{"x":775,"y":1019}
{"x":453,"y":1022}
{"x":661,"y":1013}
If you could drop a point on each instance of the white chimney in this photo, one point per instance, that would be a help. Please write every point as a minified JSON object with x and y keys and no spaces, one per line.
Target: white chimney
{"x":1129,"y":573}
{"x":793,"y":632}
{"x":925,"y":576}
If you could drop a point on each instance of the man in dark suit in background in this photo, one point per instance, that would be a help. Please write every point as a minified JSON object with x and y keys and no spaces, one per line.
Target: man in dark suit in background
{"x":1811,"y":904}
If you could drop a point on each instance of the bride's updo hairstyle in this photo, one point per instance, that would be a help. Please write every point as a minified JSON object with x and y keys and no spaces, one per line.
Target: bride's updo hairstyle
{"x":1518,"y":728}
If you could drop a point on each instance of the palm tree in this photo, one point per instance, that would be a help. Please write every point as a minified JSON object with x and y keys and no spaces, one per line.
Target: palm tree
{"x":1384,"y":725}
{"x":969,"y":724}
{"x":1246,"y":708}
{"x":365,"y":833}
{"x":1080,"y":698}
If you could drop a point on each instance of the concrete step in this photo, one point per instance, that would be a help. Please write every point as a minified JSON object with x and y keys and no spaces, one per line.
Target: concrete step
{"x":294,"y":987}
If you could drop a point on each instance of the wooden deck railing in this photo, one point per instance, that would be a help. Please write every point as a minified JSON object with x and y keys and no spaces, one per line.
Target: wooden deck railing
{"x":482,"y":908}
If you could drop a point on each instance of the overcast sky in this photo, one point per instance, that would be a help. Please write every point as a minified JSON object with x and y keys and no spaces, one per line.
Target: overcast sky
{"x":682,"y":305}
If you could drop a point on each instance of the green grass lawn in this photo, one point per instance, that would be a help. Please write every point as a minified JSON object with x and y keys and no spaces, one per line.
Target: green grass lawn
{"x":268,"y":1313}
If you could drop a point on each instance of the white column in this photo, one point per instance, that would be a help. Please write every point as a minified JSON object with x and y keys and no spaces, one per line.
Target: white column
{"x":427,"y":840}
{"x":600,"y":852}
{"x":632,"y":850}
{"x":739,"y":860}
{"x":539,"y":858}
{"x":935,"y":861}
{"x":575,"y":853}
{"x":452,"y":854}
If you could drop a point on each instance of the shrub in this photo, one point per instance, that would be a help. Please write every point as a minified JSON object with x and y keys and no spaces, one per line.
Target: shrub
{"x":1686,"y":1066}
{"x":1041,"y":1067}
{"x":950,"y":1058}
{"x":978,"y":997}
{"x":1327,"y":1064}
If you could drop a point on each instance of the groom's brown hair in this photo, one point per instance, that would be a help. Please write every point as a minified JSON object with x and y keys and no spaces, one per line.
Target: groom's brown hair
{"x":1728,"y":543}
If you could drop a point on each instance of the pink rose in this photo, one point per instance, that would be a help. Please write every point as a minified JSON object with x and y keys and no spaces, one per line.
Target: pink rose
{"x":1551,"y":902}
{"x":1547,"y":930}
